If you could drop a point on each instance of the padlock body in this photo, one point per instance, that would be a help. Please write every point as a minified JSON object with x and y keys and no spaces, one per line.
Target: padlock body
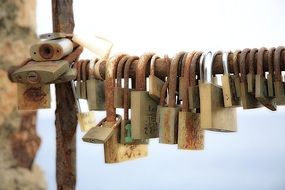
{"x":248,"y":100}
{"x":95,"y":94}
{"x":98,"y":134}
{"x":214,"y":116}
{"x":229,"y":92}
{"x":168,"y":125}
{"x":279,"y":92}
{"x":194,"y":97}
{"x":83,"y":91}
{"x":250,"y":83}
{"x":270,"y":86}
{"x":155,"y":86}
{"x":143,"y":112}
{"x":237,"y":86}
{"x":190,"y":134}
{"x":181,"y":88}
{"x":86,"y":120}
{"x":119,"y":98}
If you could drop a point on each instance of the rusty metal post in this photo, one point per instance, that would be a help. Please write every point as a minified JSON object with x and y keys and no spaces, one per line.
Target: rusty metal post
{"x":66,"y":119}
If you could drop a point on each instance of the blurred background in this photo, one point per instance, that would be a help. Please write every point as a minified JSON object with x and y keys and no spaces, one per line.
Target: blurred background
{"x":252,"y":158}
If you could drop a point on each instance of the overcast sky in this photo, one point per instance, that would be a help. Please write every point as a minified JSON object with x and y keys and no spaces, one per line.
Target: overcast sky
{"x":252,"y":158}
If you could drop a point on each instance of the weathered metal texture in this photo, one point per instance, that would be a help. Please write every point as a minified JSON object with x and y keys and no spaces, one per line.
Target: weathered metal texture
{"x":25,"y":142}
{"x":161,"y":69}
{"x":278,"y":83}
{"x":115,"y":152}
{"x":270,"y":79}
{"x":66,"y":119}
{"x":251,"y":71}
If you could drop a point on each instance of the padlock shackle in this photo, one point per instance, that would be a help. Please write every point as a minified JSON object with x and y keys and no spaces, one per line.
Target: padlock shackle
{"x":141,"y":71}
{"x":225,"y":58}
{"x":260,"y":60}
{"x":78,"y":67}
{"x":110,"y":75}
{"x":193,"y":66}
{"x":201,"y":66}
{"x":243,"y":59}
{"x":252,"y":63}
{"x":126,"y":93}
{"x":84,"y":70}
{"x":97,"y":74}
{"x":152,"y":64}
{"x":187,"y":67}
{"x":163,"y":93}
{"x":181,"y":66}
{"x":90,"y":74}
{"x":277,"y":61}
{"x":120,"y":70}
{"x":271,"y":61}
{"x":173,"y":79}
{"x":207,"y":64}
{"x":236,"y":62}
{"x":77,"y":103}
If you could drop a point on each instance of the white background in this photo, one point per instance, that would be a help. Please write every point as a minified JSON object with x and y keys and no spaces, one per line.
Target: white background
{"x":252,"y":158}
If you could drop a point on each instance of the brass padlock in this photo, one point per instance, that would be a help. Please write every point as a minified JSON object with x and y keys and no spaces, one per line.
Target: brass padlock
{"x":270,"y":75}
{"x":168,"y":124}
{"x":126,"y":126}
{"x":236,"y":74}
{"x":190,"y":134}
{"x":278,"y":82}
{"x":119,"y":91}
{"x":228,"y":84}
{"x":261,"y":90}
{"x":155,"y":83}
{"x":181,"y":88}
{"x":51,"y":49}
{"x":114,"y":151}
{"x":40,"y":72}
{"x":143,"y":107}
{"x":248,"y":100}
{"x":214,"y":116}
{"x":102,"y":132}
{"x":251,"y":71}
{"x":95,"y":89}
{"x":83,"y":90}
{"x":193,"y":89}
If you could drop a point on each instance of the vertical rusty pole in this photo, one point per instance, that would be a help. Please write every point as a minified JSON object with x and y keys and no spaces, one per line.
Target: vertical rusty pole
{"x":66,"y":119}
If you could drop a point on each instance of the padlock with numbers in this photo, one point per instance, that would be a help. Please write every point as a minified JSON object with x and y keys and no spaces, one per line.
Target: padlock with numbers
{"x":261,"y":90}
{"x":250,"y":77}
{"x":214,"y":116}
{"x":119,"y":91}
{"x":143,"y":107}
{"x":126,"y":126}
{"x":228,"y":84}
{"x":114,"y":151}
{"x":190,"y":134}
{"x":181,"y":77}
{"x":270,"y":75}
{"x":155,"y":83}
{"x":83,"y":90}
{"x":95,"y":89}
{"x":278,"y":82}
{"x":248,"y":100}
{"x":168,"y":124}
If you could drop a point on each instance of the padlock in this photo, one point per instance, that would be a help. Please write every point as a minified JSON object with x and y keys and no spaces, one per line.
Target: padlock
{"x":33,"y":96}
{"x":270,"y":75}
{"x":190,"y":134}
{"x":214,"y":116}
{"x":143,"y":107}
{"x":78,"y":78}
{"x":54,"y":35}
{"x":83,"y":90}
{"x":193,"y":89}
{"x":102,"y":132}
{"x":251,"y":71}
{"x":162,"y":101}
{"x":51,"y":49}
{"x":261,"y":90}
{"x":95,"y":89}
{"x":278,"y":82}
{"x":155,"y":83}
{"x":114,"y":151}
{"x":236,"y":74}
{"x":86,"y":120}
{"x":228,"y":84}
{"x":168,"y":124}
{"x":126,"y":126}
{"x":248,"y":100}
{"x":180,"y":85}
{"x":119,"y":91}
{"x":69,"y":75}
{"x":40,"y":72}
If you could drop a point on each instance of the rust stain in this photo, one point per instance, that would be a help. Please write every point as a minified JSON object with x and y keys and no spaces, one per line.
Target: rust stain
{"x":34,"y":94}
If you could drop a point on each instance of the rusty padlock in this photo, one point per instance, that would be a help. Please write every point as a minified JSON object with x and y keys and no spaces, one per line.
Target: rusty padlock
{"x":270,"y":75}
{"x":278,"y":82}
{"x":155,"y":83}
{"x":119,"y":91}
{"x":236,"y":73}
{"x":78,"y":78}
{"x":190,"y":134}
{"x":251,"y":71}
{"x":261,"y":90}
{"x":114,"y":151}
{"x":168,"y":124}
{"x":214,"y":116}
{"x":248,"y":100}
{"x":143,"y":107}
{"x":83,"y":90}
{"x":181,"y":88}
